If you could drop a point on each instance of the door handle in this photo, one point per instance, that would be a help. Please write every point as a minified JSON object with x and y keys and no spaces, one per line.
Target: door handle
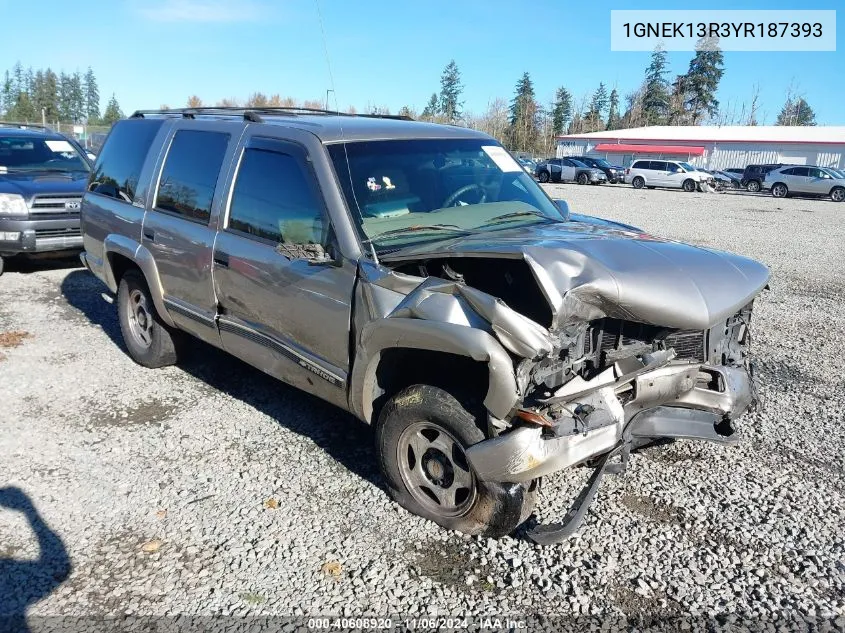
{"x":221,"y":259}
{"x":149,"y":235}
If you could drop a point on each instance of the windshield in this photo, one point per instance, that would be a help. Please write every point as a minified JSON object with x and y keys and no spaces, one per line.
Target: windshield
{"x":600,"y":162}
{"x":409,"y":191}
{"x":578,"y":163}
{"x":25,"y":153}
{"x":688,"y":167}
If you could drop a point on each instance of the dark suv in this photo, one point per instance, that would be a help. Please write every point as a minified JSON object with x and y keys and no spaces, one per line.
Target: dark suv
{"x":42,"y":179}
{"x":754,"y":175}
{"x":614,"y":173}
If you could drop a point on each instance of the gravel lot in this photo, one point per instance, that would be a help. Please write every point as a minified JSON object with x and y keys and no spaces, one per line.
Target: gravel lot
{"x":211,"y":488}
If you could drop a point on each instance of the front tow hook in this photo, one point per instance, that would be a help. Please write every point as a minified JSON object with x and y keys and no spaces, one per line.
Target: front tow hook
{"x":559,"y":532}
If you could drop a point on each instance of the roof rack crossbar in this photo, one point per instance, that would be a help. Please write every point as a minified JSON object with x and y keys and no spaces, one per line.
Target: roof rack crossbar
{"x":24,"y":126}
{"x":254,"y":113}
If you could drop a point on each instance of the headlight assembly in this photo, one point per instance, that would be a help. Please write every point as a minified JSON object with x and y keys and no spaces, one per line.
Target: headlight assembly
{"x":12,"y":205}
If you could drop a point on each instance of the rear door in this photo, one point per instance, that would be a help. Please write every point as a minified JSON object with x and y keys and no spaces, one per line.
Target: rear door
{"x":799,"y":180}
{"x":283,"y":308}
{"x":177,"y":228}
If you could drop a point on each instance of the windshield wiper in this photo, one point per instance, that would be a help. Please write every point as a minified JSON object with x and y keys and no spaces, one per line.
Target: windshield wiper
{"x":452,"y":228}
{"x":516,"y":214}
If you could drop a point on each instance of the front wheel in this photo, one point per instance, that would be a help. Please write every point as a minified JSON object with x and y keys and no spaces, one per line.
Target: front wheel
{"x":421,"y":437}
{"x":638,"y":182}
{"x":753,"y":186}
{"x":837,"y":195}
{"x":689,"y":185}
{"x":149,"y":341}
{"x":779,"y":190}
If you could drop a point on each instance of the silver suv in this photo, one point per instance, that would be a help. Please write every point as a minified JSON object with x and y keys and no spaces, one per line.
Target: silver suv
{"x":415,"y":275}
{"x":806,"y":179}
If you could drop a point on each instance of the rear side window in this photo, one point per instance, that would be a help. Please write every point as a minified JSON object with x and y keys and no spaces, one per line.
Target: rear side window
{"x":658,"y":165}
{"x":189,"y":176}
{"x":801,"y":171}
{"x":788,"y":172}
{"x":118,"y":167}
{"x":275,"y":199}
{"x":640,"y":164}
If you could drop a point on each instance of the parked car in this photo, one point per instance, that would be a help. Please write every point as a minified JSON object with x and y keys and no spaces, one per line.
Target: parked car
{"x":42,"y":179}
{"x":737,"y":171}
{"x":421,"y":280}
{"x":729,"y":178}
{"x":806,"y":179}
{"x":527,"y":164}
{"x":755,"y":175}
{"x":614,"y":173}
{"x":665,"y":173}
{"x":569,"y":170}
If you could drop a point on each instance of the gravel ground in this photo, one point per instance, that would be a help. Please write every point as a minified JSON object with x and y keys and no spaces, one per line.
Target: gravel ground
{"x":210,"y":488}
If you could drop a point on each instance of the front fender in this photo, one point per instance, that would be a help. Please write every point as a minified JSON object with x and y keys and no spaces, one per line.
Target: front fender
{"x":381,"y":334}
{"x":143,"y":258}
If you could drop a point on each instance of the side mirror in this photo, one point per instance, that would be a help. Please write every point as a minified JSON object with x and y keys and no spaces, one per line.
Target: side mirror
{"x":563,"y":207}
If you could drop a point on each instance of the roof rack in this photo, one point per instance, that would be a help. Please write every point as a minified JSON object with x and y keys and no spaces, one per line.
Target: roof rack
{"x":255,"y":114}
{"x":24,"y":126}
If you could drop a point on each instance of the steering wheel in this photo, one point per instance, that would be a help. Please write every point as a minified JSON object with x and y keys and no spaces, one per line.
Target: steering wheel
{"x":453,"y":198}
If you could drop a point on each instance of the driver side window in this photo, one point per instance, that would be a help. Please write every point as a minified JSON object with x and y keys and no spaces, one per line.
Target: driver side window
{"x":275,"y":199}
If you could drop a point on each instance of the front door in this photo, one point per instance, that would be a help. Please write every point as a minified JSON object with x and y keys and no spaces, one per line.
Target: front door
{"x":177,"y":227}
{"x":284,"y":294}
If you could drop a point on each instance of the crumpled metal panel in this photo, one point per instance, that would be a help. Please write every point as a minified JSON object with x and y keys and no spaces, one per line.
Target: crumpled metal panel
{"x":588,"y":272}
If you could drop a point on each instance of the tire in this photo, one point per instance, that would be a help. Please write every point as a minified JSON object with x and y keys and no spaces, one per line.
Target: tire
{"x":689,"y":185}
{"x":1,"y":265}
{"x":638,"y":182}
{"x":582,"y":179}
{"x":837,"y":194}
{"x":779,"y":190}
{"x":753,"y":186}
{"x":428,"y":420}
{"x":148,"y":340}
{"x":651,"y":187}
{"x":543,"y":176}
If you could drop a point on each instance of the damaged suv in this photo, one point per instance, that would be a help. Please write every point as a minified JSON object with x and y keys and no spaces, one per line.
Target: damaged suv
{"x":415,"y":275}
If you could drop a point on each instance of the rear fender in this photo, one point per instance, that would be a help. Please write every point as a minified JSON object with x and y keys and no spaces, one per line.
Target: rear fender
{"x":143,"y":258}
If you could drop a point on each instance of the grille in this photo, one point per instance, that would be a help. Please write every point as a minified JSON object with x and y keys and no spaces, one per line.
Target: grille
{"x":688,"y":344}
{"x":55,"y":205}
{"x":71,"y":232}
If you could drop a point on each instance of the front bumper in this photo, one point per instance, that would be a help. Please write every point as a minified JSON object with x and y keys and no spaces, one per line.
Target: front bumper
{"x":677,"y":400}
{"x":40,"y":235}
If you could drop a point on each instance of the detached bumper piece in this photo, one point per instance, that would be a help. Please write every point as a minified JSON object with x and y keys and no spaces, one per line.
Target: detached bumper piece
{"x":588,"y":420}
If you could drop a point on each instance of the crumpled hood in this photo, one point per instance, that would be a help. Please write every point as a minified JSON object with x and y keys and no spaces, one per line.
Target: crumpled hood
{"x":588,"y":272}
{"x":41,"y":183}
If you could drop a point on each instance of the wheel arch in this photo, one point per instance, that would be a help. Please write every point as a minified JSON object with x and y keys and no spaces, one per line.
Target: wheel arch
{"x":121,"y":254}
{"x":465,"y":356}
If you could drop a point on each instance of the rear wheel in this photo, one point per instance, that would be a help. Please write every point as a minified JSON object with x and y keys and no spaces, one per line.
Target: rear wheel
{"x":583,"y":179}
{"x":837,"y":195}
{"x":638,"y":182}
{"x":689,"y":185}
{"x":421,"y":437}
{"x":149,"y":341}
{"x":543,"y":176}
{"x":779,"y":190}
{"x":753,"y":186}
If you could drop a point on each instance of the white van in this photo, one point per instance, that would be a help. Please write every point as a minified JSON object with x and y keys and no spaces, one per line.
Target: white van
{"x":664,"y":173}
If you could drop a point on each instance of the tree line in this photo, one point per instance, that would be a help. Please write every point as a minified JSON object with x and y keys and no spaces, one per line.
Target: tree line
{"x":29,"y":95}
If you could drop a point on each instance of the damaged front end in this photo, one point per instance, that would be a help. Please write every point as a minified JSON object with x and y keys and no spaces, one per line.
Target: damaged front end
{"x":595,"y":346}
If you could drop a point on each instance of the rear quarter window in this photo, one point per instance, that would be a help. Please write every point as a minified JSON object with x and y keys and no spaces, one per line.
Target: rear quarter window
{"x":640,"y":164}
{"x":119,"y":164}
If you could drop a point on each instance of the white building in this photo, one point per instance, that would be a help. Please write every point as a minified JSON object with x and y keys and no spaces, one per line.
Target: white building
{"x":713,"y":147}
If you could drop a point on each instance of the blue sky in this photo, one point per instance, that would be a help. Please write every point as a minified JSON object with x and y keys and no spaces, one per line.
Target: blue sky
{"x":382,"y":52}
